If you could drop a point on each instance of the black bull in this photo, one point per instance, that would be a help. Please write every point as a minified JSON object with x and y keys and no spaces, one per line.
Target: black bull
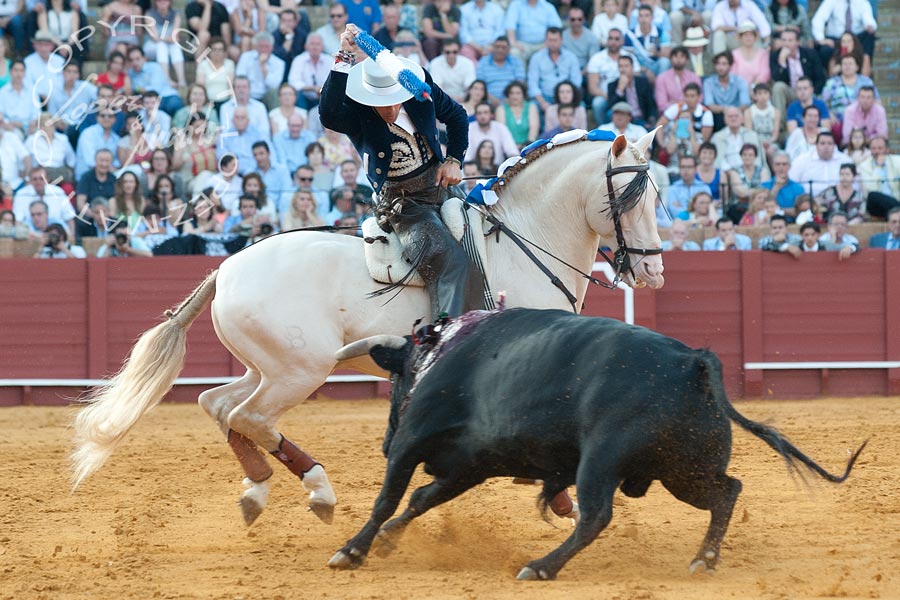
{"x":568,"y":400}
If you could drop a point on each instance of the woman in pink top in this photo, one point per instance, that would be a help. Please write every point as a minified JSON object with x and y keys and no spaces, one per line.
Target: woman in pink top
{"x":751,"y":62}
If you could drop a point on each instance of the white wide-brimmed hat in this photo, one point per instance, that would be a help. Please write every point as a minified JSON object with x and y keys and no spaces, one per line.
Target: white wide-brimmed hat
{"x":747,"y":27}
{"x":370,"y":85}
{"x":694,"y":37}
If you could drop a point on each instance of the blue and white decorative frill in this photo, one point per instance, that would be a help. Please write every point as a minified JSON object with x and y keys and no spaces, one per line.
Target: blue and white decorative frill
{"x":483,"y":194}
{"x":392,"y":65}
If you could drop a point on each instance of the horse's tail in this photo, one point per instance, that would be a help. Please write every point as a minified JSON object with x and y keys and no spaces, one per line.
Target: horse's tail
{"x":114,"y":407}
{"x":771,"y":436}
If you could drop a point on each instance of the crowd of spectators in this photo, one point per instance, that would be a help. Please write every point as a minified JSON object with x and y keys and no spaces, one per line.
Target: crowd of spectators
{"x":767,"y":114}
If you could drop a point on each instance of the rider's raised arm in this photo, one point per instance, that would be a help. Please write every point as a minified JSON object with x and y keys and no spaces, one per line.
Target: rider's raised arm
{"x":336,"y":110}
{"x":449,"y":112}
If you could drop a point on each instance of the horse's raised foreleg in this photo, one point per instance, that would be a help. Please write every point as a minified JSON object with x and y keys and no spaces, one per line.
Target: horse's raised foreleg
{"x":254,"y":419}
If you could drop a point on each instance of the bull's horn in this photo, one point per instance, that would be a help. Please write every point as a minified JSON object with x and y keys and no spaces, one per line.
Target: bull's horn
{"x":362,"y":347}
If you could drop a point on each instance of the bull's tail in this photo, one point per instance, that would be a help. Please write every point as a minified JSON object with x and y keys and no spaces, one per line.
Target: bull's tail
{"x":114,"y":407}
{"x":791,"y":454}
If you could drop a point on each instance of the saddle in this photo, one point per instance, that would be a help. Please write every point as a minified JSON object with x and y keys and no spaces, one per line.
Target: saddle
{"x":384,"y":252}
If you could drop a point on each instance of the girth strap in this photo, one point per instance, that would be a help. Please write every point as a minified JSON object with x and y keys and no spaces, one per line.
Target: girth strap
{"x":556,"y":281}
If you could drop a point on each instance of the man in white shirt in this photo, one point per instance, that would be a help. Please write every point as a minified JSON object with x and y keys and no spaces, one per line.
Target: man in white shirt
{"x":834,"y":17}
{"x":730,"y":139}
{"x":70,"y":102}
{"x":602,"y":69}
{"x":309,"y":71}
{"x":453,"y":73}
{"x":15,"y":161}
{"x":59,"y":207}
{"x":256,"y":110}
{"x":43,"y":69}
{"x":263,"y":69}
{"x":486,"y":128}
{"x":331,"y":31}
{"x":227,"y":184}
{"x":51,"y":149}
{"x":480,"y":23}
{"x":621,"y":123}
{"x":819,"y":170}
{"x":727,"y":238}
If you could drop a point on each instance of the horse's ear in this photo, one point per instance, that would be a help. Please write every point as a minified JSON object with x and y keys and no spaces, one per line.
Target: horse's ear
{"x":643,"y":144}
{"x":619,"y":144}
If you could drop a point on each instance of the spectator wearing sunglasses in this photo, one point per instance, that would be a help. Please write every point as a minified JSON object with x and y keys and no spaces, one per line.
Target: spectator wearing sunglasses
{"x":578,"y":39}
{"x":452,"y":72}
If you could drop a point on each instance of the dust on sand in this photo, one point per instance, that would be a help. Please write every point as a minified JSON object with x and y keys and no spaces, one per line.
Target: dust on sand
{"x":161,"y":519}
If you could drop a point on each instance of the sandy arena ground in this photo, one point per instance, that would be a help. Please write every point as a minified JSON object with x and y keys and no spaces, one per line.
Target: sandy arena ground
{"x":161,"y":519}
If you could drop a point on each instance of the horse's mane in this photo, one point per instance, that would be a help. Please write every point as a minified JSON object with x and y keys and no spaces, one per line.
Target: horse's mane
{"x":623,"y":200}
{"x":529,"y":159}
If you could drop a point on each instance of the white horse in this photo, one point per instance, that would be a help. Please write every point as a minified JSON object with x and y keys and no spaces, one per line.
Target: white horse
{"x":285,"y":305}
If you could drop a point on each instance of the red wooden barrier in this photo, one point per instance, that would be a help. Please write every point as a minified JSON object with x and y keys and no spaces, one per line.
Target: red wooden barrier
{"x":78,"y":319}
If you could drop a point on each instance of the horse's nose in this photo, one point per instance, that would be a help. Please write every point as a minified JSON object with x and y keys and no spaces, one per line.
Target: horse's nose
{"x":653,"y":274}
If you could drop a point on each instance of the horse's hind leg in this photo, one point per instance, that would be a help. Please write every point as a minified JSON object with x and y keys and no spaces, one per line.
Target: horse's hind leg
{"x":255,"y":419}
{"x":218,"y":404}
{"x":716,"y":493}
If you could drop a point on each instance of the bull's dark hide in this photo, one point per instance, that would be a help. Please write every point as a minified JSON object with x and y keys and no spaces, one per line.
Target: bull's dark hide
{"x":565,"y":399}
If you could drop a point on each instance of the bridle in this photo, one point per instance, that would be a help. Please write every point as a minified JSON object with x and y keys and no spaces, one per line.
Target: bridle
{"x":619,"y":205}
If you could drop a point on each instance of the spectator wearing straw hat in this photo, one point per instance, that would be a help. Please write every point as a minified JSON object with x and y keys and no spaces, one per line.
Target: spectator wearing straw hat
{"x":727,"y":17}
{"x":43,"y":67}
{"x":699,"y":60}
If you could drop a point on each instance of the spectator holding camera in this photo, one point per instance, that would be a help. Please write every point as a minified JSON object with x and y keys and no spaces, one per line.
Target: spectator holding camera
{"x":727,"y":239}
{"x":120,"y":243}
{"x":249,"y":222}
{"x":56,"y":244}
{"x":779,"y":239}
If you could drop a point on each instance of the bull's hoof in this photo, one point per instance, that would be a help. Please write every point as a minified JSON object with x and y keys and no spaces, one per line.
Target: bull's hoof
{"x":324,"y":511}
{"x":346,"y":560}
{"x":529,"y":574}
{"x":706,"y":564}
{"x":250,"y":509}
{"x":384,"y":543}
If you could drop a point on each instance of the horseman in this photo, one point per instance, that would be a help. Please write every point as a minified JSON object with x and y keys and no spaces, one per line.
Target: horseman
{"x":397,"y":138}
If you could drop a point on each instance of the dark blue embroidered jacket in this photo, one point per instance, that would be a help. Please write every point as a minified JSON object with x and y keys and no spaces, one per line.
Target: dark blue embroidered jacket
{"x":370,"y":134}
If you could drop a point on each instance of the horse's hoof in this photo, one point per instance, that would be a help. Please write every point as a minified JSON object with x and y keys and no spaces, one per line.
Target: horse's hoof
{"x":253,"y":500}
{"x":573,"y":515}
{"x":324,"y":511}
{"x":345,"y":560}
{"x":250,"y":509}
{"x":529,"y":574}
{"x":383,"y":544}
